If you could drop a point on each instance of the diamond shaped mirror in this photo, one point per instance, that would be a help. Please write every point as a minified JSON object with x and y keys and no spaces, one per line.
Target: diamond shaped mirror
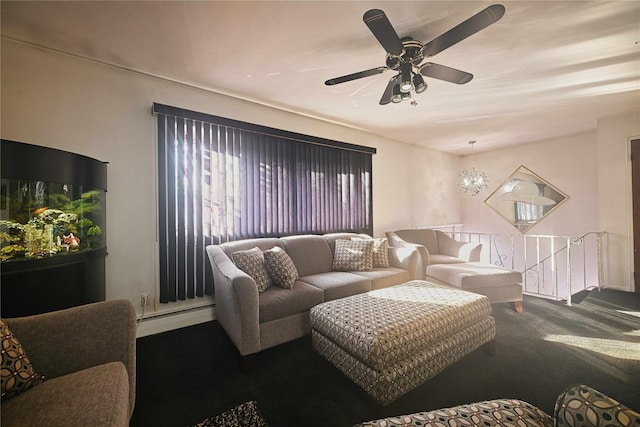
{"x":524,"y":199}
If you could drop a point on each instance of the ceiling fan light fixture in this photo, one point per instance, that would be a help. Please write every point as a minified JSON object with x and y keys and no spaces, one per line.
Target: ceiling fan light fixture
{"x":396,"y":95}
{"x":406,"y":85}
{"x":419,"y":83}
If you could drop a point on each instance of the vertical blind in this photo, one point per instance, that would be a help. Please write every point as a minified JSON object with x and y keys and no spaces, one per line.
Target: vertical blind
{"x":221,"y":180}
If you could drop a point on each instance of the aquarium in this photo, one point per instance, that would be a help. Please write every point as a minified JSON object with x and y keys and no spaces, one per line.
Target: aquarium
{"x":52,"y":228}
{"x":43,"y":219}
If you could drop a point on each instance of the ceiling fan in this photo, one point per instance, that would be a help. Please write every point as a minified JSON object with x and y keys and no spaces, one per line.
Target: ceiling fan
{"x":406,"y":54}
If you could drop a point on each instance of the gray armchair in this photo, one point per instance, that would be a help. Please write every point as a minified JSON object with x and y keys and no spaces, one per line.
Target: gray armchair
{"x":88,"y":355}
{"x":434,"y":247}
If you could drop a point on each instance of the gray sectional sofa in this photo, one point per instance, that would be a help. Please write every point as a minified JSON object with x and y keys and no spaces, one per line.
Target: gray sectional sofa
{"x":256,"y":320}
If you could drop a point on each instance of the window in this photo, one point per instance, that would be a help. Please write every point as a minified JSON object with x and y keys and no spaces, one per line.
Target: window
{"x":222,"y":180}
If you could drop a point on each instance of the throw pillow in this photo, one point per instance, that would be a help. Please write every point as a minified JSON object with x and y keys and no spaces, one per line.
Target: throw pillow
{"x":353,"y":255}
{"x":380,"y":251}
{"x":252,"y":262}
{"x":281,"y":267}
{"x":16,"y":372}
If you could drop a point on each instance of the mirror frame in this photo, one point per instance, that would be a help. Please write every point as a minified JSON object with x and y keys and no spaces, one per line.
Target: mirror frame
{"x":524,"y":199}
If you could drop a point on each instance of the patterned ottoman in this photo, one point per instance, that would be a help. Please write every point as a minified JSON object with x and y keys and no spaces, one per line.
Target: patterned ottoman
{"x":391,"y":340}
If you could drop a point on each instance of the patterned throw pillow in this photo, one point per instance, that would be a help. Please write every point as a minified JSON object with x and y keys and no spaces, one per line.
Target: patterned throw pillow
{"x":17,"y":373}
{"x":252,"y":262}
{"x":281,"y":267}
{"x":245,"y":414}
{"x":353,"y":255}
{"x":380,"y":251}
{"x":582,"y":406}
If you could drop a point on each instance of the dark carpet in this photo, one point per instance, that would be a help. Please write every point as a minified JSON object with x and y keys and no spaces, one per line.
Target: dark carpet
{"x":188,"y":375}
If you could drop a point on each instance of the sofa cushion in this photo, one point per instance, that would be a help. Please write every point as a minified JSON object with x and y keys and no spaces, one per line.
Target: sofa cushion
{"x":338,"y":284}
{"x":422,"y":236}
{"x":447,"y":245}
{"x":443,"y":259}
{"x":385,"y":277}
{"x":353,"y":255}
{"x":277,"y":303}
{"x":310,"y":253}
{"x":17,"y":373}
{"x":280,"y":267}
{"x":474,"y":275}
{"x":97,"y":396}
{"x":262,"y":243}
{"x":251,"y":261}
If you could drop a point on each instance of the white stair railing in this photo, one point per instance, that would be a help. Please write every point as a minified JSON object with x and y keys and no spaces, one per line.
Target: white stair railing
{"x":556,"y":267}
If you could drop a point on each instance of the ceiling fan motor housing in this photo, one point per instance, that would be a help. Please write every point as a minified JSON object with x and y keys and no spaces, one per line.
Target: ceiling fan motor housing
{"x":411,"y":53}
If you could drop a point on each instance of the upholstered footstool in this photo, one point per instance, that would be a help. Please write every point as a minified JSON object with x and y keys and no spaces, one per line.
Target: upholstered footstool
{"x":499,"y":284}
{"x":391,"y":340}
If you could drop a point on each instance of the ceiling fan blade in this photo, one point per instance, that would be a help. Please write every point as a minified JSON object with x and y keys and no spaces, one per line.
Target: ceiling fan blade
{"x":382,"y":29}
{"x":445,"y":73}
{"x":386,"y":96}
{"x":467,"y":28}
{"x":355,"y":76}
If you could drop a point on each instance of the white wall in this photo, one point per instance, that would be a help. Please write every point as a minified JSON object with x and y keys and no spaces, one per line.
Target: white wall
{"x":614,"y":190}
{"x":592,"y":168}
{"x":568,"y":163}
{"x":103,"y":112}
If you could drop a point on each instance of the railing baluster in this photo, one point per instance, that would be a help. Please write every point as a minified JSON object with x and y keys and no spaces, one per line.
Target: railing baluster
{"x":568,"y":271}
{"x":554,"y":264}
{"x":498,"y":248}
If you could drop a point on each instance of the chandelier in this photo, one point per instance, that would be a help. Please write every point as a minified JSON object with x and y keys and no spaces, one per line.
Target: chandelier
{"x":473,"y":181}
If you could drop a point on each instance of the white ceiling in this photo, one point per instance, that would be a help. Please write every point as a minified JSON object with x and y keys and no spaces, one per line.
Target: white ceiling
{"x":546,"y":69}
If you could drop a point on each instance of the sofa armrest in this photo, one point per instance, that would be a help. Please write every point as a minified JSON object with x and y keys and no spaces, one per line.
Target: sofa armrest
{"x":593,"y":408}
{"x":466,"y":251}
{"x":423,"y":254}
{"x":404,"y":258}
{"x":470,"y":252}
{"x":66,"y":341}
{"x":237,"y":301}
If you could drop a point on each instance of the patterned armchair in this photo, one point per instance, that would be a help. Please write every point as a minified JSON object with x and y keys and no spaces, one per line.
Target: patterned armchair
{"x":577,"y":406}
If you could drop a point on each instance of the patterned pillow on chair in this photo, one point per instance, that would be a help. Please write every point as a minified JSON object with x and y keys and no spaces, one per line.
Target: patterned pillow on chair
{"x":17,"y":373}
